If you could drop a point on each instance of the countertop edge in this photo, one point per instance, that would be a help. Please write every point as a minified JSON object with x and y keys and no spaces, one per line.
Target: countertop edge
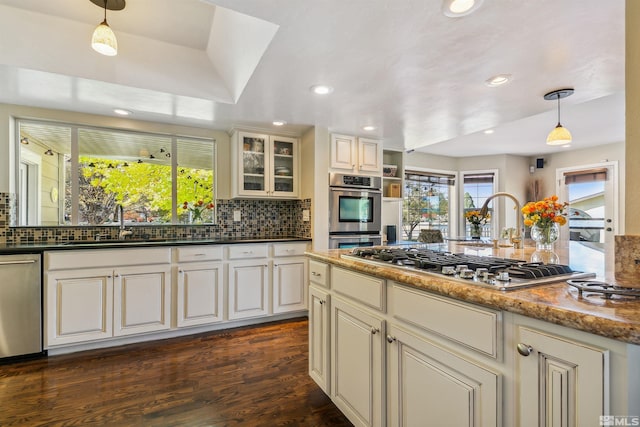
{"x":42,"y":247}
{"x":529,"y":302}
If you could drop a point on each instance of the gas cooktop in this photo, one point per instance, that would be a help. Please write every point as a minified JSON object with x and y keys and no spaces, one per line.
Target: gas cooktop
{"x":496,"y":273}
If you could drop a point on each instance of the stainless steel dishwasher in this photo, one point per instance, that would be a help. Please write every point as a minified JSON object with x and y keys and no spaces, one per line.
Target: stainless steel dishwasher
{"x":20,"y":305}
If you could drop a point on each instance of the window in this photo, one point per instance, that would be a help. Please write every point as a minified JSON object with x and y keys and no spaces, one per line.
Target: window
{"x":97,"y":170}
{"x":477,"y":187}
{"x":426,"y":203}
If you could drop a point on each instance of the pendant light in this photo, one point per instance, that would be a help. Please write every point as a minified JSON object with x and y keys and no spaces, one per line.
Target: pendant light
{"x":559,"y":135}
{"x":104,"y":40}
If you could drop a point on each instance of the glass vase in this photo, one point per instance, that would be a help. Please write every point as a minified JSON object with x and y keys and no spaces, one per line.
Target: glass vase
{"x":475,"y":230}
{"x":545,"y":235}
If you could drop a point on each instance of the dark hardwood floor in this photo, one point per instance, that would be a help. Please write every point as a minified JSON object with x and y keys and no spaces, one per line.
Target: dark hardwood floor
{"x":251,"y":376}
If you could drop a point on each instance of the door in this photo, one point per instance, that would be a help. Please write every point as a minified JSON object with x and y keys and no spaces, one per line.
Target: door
{"x":357,"y":366}
{"x":343,"y":152}
{"x":592,"y":193}
{"x":284,"y":167}
{"x":141,"y":299}
{"x":78,"y":306}
{"x":459,"y":392}
{"x":369,"y":155}
{"x":289,"y":285}
{"x":199,"y":298}
{"x":248,"y":289}
{"x":561,"y":383}
{"x":319,"y":356}
{"x":253,"y":164}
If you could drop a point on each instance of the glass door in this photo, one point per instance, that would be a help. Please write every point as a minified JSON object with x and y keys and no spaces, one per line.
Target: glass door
{"x":284,"y":165}
{"x":253,"y":162}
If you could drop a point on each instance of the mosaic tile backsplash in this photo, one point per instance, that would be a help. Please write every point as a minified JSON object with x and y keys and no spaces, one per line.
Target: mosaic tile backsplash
{"x":260,"y":219}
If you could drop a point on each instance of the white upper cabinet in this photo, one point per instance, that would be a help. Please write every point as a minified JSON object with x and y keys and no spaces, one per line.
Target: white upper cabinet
{"x":266,"y":166}
{"x":356,"y":155}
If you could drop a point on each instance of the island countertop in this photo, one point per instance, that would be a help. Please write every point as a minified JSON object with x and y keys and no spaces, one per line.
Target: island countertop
{"x":557,"y":303}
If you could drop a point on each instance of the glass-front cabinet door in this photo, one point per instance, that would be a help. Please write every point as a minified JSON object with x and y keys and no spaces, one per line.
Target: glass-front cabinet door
{"x":284,"y":166}
{"x":254,"y":164}
{"x":267,"y":166}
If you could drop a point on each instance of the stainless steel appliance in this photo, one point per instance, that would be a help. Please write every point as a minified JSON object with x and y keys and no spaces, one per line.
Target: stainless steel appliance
{"x":355,"y":204}
{"x":343,"y":241}
{"x":498,"y":273}
{"x":20,"y":305}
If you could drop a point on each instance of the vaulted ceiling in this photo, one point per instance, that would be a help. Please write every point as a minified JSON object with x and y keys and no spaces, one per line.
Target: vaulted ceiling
{"x":401,"y":66}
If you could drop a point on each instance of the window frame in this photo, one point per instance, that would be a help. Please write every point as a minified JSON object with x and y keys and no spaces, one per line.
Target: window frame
{"x":74,"y":169}
{"x":495,"y":209}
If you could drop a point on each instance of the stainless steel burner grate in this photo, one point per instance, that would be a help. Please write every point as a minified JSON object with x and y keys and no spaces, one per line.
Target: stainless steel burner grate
{"x":607,"y":290}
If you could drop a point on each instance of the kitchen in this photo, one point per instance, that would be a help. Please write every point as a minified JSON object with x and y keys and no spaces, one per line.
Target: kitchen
{"x":314,"y":154}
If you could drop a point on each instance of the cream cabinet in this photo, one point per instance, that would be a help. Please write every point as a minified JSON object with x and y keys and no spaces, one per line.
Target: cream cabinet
{"x":428,"y":382}
{"x":265,"y":166}
{"x":289,"y":278}
{"x":248,"y":294}
{"x":118,"y":292}
{"x":561,"y":382}
{"x":200,"y":285}
{"x":356,"y":155}
{"x":357,"y":363}
{"x":319,"y":334}
{"x":141,"y":299}
{"x":78,"y":306}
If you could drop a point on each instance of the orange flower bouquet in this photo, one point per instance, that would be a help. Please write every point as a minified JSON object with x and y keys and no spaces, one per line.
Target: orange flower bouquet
{"x":544,"y":217}
{"x":197,"y":209}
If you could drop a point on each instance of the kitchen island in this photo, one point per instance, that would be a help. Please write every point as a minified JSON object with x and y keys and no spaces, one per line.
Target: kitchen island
{"x":425,"y":347}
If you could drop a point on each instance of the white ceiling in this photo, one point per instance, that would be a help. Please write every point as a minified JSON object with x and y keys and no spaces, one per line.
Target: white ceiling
{"x":399,"y":65}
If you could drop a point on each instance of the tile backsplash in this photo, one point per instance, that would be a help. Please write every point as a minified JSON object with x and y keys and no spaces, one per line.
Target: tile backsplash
{"x":259,"y":219}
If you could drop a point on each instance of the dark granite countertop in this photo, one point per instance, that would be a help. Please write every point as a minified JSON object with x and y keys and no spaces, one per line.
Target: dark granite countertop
{"x":35,"y":247}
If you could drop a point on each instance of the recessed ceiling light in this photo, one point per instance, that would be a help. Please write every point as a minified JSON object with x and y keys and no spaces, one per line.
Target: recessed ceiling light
{"x":458,"y":8}
{"x":368,"y":128}
{"x":498,"y":80}
{"x":121,"y":111}
{"x":489,"y":131}
{"x":279,"y":123}
{"x":321,"y":89}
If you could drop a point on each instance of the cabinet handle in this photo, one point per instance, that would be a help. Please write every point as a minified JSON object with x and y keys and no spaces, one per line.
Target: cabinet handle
{"x":265,"y":265}
{"x":313,"y":273}
{"x":247,"y":252}
{"x":199,"y":254}
{"x":524,"y":349}
{"x":374,"y":330}
{"x":322,"y":301}
{"x":117,"y":276}
{"x":180,"y":271}
{"x":274,"y":265}
{"x":390,"y":339}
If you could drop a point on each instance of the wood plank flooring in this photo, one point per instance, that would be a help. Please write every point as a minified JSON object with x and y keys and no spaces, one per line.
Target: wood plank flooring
{"x":251,"y":376}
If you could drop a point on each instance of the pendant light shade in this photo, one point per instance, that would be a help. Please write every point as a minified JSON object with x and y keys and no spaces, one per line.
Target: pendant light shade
{"x":559,"y":135}
{"x":104,"y":40}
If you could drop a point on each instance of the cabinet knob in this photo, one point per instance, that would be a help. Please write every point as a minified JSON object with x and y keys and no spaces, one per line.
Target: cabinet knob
{"x":390,"y":339}
{"x":322,"y":301}
{"x":181,"y":271}
{"x":524,"y":349}
{"x":313,"y":273}
{"x":374,"y":330}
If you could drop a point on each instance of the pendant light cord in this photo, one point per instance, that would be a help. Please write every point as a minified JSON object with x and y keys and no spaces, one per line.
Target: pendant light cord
{"x":105,"y":10}
{"x":558,"y":106}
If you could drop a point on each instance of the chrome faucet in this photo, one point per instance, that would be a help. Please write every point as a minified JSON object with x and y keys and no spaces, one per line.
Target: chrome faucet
{"x":516,"y":237}
{"x":123,"y":231}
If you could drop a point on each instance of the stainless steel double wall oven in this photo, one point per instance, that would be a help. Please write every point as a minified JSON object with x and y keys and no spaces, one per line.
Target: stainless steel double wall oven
{"x":355,"y":208}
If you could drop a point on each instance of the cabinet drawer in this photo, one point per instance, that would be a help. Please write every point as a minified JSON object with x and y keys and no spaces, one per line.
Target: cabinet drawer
{"x":73,"y":259}
{"x":247,"y":251}
{"x":472,"y":326}
{"x":319,"y":273}
{"x":289,"y":249}
{"x":198,"y":253}
{"x":365,"y":289}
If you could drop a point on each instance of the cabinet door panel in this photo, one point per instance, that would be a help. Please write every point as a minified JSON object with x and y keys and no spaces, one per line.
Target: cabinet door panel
{"x":370,"y":155}
{"x":562,"y":382}
{"x":428,"y":382}
{"x":289,"y":285}
{"x":319,"y":305}
{"x":248,"y":290}
{"x":343,"y":152}
{"x":142,"y":300}
{"x":78,"y":306}
{"x":356,"y":363}
{"x":199,"y":296}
